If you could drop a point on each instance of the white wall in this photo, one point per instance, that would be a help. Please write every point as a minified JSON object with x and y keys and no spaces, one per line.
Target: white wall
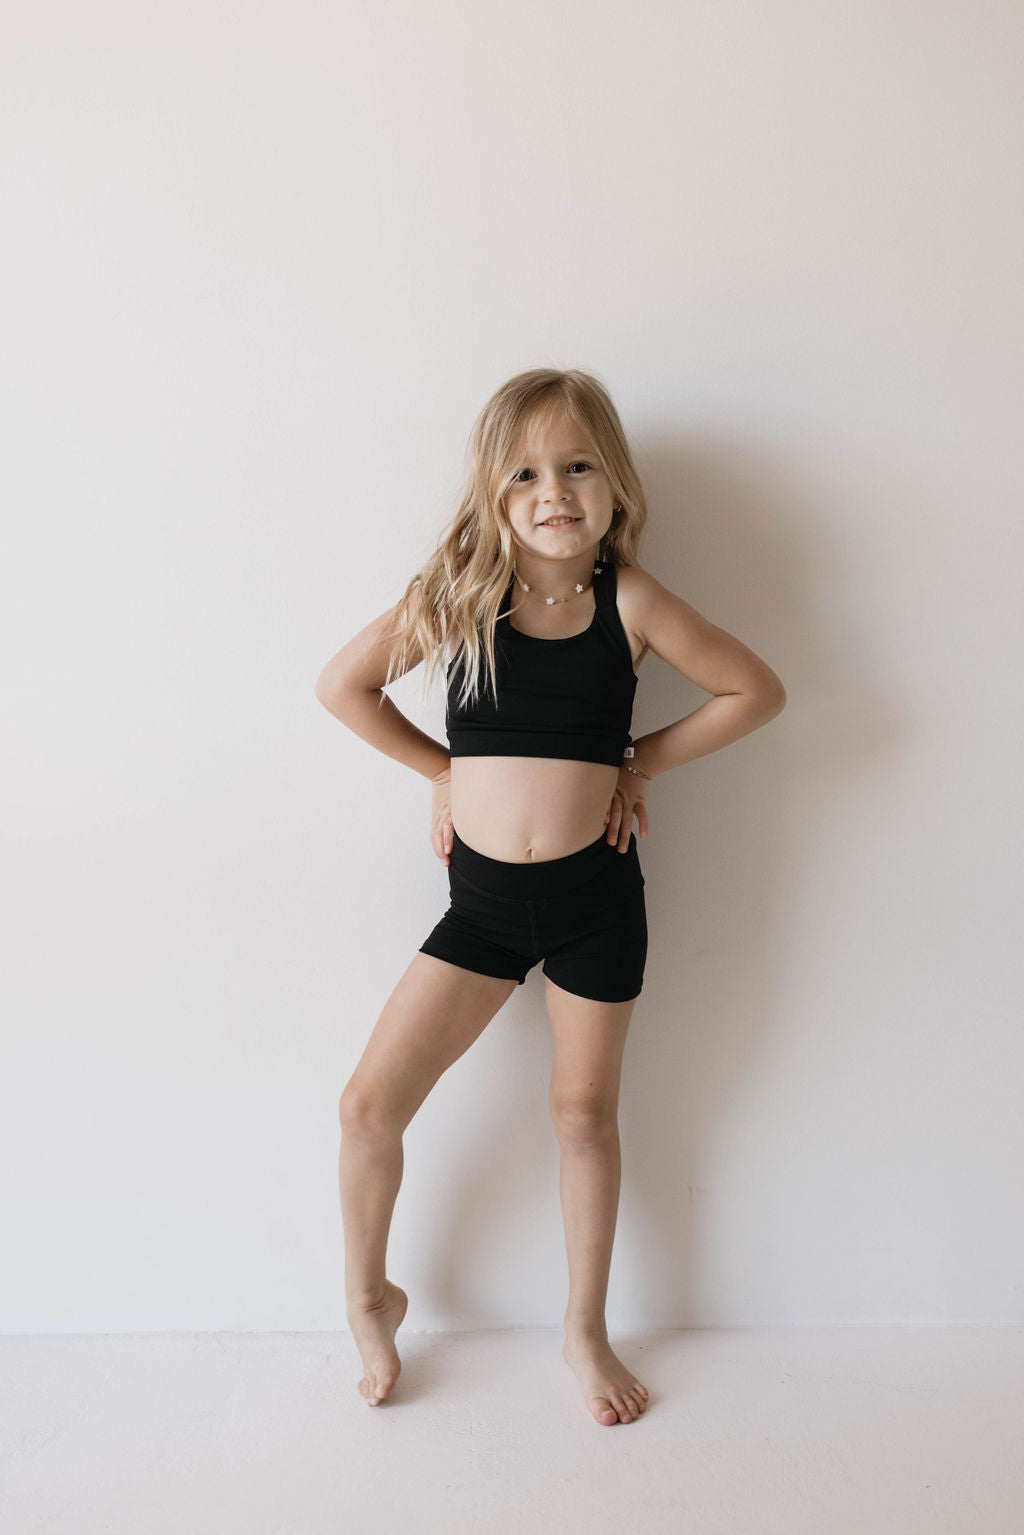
{"x":261,"y":269}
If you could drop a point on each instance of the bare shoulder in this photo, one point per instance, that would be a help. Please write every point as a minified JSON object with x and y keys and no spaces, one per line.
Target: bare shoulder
{"x":656,"y":618}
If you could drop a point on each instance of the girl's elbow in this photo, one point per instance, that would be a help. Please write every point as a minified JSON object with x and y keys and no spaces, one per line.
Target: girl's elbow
{"x":775,"y":700}
{"x":328,"y":690}
{"x":331,"y":682}
{"x":767,"y":696}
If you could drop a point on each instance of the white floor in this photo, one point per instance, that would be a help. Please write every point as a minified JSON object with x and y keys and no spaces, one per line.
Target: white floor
{"x":748,"y":1432}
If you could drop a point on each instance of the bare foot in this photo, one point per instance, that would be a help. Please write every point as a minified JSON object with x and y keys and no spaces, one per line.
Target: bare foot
{"x":612,"y":1392}
{"x":373,"y":1328}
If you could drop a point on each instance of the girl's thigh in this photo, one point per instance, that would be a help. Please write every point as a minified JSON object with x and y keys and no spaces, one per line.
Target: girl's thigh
{"x":432,"y":1017}
{"x":589,"y":1043}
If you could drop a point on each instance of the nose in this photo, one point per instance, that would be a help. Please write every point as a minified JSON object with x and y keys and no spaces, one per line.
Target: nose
{"x":553,"y":491}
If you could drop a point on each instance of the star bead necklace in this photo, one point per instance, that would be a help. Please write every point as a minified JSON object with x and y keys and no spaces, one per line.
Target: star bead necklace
{"x":552,"y":600}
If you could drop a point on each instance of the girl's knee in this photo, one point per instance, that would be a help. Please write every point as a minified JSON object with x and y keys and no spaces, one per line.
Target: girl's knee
{"x":363,"y":1112}
{"x":585,"y":1119}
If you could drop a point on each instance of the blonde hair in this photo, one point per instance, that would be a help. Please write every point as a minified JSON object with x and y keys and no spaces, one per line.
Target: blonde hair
{"x":453,"y":600}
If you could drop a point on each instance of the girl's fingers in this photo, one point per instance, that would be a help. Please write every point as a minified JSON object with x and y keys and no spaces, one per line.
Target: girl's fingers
{"x":639,"y":810}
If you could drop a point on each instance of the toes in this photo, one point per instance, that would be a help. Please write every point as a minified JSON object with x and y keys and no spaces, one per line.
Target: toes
{"x":605,"y":1413}
{"x":376,"y":1387}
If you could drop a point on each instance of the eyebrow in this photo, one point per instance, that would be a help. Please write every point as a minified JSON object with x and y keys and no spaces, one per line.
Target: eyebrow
{"x":579,"y":453}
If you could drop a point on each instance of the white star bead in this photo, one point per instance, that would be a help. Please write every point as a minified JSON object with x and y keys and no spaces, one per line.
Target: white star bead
{"x":549,"y":600}
{"x":579,"y":586}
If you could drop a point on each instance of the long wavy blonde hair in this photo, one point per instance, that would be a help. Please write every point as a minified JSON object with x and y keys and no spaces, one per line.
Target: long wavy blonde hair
{"x":451,"y":603}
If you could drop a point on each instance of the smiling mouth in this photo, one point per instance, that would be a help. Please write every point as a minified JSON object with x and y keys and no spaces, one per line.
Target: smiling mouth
{"x":560,"y":522}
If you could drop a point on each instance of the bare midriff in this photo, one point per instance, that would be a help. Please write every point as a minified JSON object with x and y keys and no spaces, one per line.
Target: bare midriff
{"x":529,"y":809}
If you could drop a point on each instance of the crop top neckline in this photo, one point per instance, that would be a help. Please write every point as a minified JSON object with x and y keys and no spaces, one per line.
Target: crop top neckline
{"x":562,"y":639}
{"x":554,"y":639}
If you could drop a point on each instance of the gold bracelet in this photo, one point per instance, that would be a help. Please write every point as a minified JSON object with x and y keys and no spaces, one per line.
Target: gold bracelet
{"x":639,"y":771}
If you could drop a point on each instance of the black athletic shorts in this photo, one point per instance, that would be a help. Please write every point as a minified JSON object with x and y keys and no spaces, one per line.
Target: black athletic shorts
{"x":583,"y":915}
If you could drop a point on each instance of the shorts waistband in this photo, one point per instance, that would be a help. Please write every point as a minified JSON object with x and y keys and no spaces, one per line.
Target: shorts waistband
{"x":551,"y":876}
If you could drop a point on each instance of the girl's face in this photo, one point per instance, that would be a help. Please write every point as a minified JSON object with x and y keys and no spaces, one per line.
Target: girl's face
{"x":560,"y":502}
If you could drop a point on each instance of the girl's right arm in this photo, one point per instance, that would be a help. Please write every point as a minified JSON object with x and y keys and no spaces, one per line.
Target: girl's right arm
{"x":350,"y":688}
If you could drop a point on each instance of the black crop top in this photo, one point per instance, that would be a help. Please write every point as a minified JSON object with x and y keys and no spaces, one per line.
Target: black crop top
{"x":568,"y":697}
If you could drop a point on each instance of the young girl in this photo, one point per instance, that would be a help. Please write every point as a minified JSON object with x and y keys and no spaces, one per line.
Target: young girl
{"x":536,"y":591}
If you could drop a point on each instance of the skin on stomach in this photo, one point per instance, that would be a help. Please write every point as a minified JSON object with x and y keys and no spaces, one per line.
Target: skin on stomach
{"x":529,"y":809}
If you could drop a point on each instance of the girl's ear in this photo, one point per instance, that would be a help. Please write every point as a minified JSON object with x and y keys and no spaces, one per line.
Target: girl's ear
{"x":606,"y":541}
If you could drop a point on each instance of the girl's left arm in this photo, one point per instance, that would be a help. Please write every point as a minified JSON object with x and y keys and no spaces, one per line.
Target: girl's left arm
{"x":747,"y":692}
